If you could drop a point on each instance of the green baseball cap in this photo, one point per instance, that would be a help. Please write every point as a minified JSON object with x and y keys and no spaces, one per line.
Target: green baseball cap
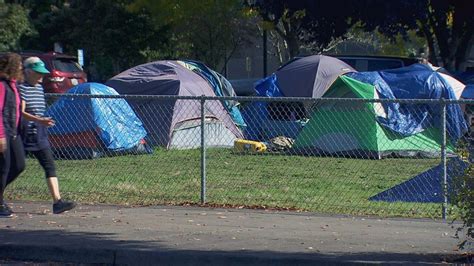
{"x":35,"y":64}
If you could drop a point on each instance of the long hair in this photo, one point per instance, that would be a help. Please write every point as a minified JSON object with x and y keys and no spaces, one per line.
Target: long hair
{"x":11,"y":67}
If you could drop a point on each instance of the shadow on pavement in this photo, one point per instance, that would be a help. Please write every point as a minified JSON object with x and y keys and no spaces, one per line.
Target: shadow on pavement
{"x":82,"y":247}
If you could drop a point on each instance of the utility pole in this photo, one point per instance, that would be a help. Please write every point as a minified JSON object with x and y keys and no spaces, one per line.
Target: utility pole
{"x":264,"y":53}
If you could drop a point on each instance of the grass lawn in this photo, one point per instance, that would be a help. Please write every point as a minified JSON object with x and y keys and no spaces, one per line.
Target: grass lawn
{"x":319,"y":184}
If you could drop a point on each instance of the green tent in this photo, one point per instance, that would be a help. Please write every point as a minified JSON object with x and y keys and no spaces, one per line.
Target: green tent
{"x":350,"y":128}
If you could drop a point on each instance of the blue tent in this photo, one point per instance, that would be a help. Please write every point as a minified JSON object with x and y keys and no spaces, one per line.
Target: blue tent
{"x":111,"y":120}
{"x":417,"y":81}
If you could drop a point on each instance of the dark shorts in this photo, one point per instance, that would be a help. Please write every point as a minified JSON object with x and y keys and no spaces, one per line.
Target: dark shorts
{"x":36,"y":141}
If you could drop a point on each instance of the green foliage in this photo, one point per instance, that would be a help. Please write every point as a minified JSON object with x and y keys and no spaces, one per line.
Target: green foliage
{"x":208,"y":30}
{"x":462,"y":195}
{"x":112,"y":37}
{"x":464,"y":201}
{"x":409,"y":45}
{"x":447,"y":26}
{"x":116,"y":35}
{"x":13,"y":25}
{"x":316,"y":25}
{"x":284,"y":23}
{"x":375,"y":43}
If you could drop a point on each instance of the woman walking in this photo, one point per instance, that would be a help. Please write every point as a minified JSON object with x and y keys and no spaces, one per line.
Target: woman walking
{"x":12,"y":155}
{"x":35,"y":135}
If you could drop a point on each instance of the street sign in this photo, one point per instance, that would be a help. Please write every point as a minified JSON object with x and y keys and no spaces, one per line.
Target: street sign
{"x":80,"y":57}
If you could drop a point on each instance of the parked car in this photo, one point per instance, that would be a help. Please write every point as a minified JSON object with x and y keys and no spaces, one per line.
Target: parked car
{"x":466,"y":77}
{"x":245,"y":87}
{"x":374,"y":63}
{"x":363,"y":63}
{"x":65,"y":71}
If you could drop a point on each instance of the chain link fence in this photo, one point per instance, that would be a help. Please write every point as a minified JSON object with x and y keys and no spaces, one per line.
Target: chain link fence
{"x":332,"y":155}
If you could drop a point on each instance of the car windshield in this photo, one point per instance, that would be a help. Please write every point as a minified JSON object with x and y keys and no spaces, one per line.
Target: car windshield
{"x":374,"y":65}
{"x":66,"y":65}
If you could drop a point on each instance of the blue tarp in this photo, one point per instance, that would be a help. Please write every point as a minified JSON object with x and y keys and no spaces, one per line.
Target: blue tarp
{"x":268,"y":87}
{"x":468,"y":92}
{"x":113,"y":119}
{"x":256,"y":112}
{"x":417,"y":81}
{"x":259,"y":126}
{"x":425,"y":187}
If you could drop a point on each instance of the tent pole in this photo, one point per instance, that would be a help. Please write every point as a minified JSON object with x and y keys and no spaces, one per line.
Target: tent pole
{"x":203,"y":153}
{"x":443,"y":158}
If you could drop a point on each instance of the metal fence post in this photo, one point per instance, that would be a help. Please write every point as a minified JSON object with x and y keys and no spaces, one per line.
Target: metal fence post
{"x":203,"y":152}
{"x":443,"y":158}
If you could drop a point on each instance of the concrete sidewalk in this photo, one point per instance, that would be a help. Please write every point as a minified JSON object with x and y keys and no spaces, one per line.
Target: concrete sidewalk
{"x":192,"y":235}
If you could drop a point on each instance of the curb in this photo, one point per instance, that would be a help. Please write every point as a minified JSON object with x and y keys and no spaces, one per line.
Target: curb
{"x":192,"y":257}
{"x":149,"y":257}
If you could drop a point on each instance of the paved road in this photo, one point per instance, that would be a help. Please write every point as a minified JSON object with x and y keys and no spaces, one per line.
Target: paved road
{"x":193,"y":235}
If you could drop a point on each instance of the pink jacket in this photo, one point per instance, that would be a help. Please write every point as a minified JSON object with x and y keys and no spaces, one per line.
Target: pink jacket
{"x":2,"y":103}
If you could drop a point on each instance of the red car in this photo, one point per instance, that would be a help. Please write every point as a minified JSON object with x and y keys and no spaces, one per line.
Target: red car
{"x":65,"y":71}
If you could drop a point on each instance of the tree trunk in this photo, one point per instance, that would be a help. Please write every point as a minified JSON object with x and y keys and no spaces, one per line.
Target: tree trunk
{"x":431,"y":56}
{"x":290,"y":39}
{"x":449,"y":61}
{"x":464,"y":48}
{"x":452,"y":33}
{"x":293,"y":46}
{"x":445,"y":42}
{"x":461,"y":55}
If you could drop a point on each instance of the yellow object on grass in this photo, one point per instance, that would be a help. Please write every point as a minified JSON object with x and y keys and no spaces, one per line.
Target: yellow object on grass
{"x":243,"y":145}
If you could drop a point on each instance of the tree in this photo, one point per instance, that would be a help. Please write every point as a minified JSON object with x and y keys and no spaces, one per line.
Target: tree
{"x":13,"y":25}
{"x":279,"y":18}
{"x":315,"y":25}
{"x":113,"y":38}
{"x":447,"y":25}
{"x":207,"y":30}
{"x":36,"y":7}
{"x":463,"y":199}
{"x":359,"y":41}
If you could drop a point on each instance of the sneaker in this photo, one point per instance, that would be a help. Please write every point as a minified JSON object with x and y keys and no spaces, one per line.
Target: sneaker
{"x":5,"y":211}
{"x":62,"y":206}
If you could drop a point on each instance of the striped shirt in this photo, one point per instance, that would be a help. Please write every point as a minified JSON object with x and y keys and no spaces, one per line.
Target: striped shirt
{"x":35,"y":104}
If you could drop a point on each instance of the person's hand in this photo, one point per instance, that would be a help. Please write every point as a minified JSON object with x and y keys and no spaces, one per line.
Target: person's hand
{"x":47,"y":121}
{"x":3,"y":145}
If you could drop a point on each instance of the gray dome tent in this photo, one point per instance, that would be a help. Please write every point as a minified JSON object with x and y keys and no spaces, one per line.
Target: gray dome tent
{"x":175,"y":123}
{"x":310,"y":76}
